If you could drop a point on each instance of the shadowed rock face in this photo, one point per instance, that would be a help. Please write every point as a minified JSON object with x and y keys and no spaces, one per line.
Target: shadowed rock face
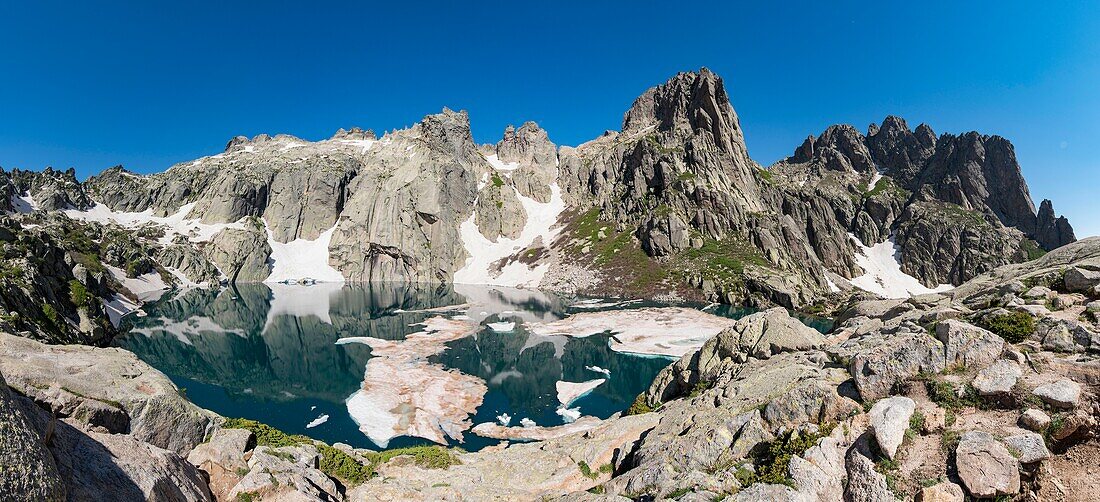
{"x":957,"y":204}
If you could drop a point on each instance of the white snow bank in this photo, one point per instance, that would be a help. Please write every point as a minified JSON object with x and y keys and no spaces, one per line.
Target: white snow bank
{"x":175,"y":224}
{"x":317,"y":421}
{"x":146,"y":287}
{"x":483,"y":252}
{"x":500,"y":165}
{"x":117,"y":308}
{"x":661,"y":331}
{"x":23,"y":204}
{"x":527,"y":422}
{"x":882,"y":272}
{"x":301,"y":258}
{"x":502,"y":327}
{"x":572,"y":391}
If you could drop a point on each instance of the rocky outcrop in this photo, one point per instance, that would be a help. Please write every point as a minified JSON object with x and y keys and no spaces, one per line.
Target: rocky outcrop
{"x":108,"y":388}
{"x":29,"y":472}
{"x":759,"y":336}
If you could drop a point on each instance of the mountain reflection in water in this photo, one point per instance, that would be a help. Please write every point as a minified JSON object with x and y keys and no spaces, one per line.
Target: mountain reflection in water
{"x":269,"y":352}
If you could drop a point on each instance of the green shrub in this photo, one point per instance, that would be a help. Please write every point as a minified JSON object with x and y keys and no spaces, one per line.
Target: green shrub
{"x":589,"y":473}
{"x":773,"y":459}
{"x":1014,"y":328}
{"x":497,"y":181}
{"x":342,"y":466}
{"x":916,"y":421}
{"x":79,"y":294}
{"x":51,"y":315}
{"x":428,"y":457}
{"x":266,"y":435}
{"x":699,"y":388}
{"x":639,"y":406}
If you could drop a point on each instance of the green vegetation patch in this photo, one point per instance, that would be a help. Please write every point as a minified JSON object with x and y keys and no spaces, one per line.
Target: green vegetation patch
{"x":497,"y":180}
{"x":772,"y":459}
{"x":616,"y":253}
{"x":1014,"y":327}
{"x":589,"y":473}
{"x":340,"y":465}
{"x":639,"y":406}
{"x":79,"y":294}
{"x":1031,"y":249}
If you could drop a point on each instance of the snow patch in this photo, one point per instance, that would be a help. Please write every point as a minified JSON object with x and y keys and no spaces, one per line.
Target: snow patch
{"x":569,"y":415}
{"x":175,"y":224}
{"x":500,"y":165}
{"x":527,"y":422}
{"x":483,"y":252}
{"x":502,"y":327}
{"x":301,"y":258}
{"x":883,"y":274}
{"x":117,"y":308}
{"x":23,"y":204}
{"x":504,"y":419}
{"x":146,"y":287}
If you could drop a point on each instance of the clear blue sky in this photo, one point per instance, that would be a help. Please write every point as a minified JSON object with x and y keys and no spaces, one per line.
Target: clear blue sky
{"x":143,"y":86}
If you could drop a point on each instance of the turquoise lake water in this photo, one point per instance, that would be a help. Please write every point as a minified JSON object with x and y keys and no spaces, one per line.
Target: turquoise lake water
{"x":270,"y":353}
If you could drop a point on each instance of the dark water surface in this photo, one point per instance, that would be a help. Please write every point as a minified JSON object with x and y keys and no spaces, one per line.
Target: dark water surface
{"x":269,"y":353}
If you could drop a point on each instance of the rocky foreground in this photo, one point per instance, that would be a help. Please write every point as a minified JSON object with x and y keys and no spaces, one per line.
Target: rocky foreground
{"x":988,"y":391}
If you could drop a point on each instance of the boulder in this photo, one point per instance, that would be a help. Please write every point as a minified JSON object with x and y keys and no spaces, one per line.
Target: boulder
{"x":880,"y":359}
{"x":288,"y":472}
{"x":1029,"y":446}
{"x":760,"y":335}
{"x":1034,"y":419}
{"x":944,"y":491}
{"x":889,"y":420}
{"x":968,"y":345}
{"x":1080,"y":280}
{"x":997,"y":379}
{"x":985,"y":466}
{"x":864,"y":482}
{"x":1062,"y":393}
{"x":523,"y":471}
{"x":223,"y":459}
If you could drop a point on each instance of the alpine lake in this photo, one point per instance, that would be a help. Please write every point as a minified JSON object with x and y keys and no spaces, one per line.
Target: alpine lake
{"x":270,"y":353}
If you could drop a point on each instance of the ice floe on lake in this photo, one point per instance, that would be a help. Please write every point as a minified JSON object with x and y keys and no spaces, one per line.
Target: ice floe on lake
{"x":571,"y":391}
{"x":598,"y":369}
{"x":317,"y":421}
{"x":405,"y":395}
{"x":534,"y":432}
{"x":661,"y":331}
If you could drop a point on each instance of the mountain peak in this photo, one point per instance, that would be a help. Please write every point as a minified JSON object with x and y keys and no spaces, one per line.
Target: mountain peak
{"x":689,"y":104}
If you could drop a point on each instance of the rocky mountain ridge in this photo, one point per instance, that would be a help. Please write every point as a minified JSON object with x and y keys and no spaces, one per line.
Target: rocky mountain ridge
{"x":671,"y":206}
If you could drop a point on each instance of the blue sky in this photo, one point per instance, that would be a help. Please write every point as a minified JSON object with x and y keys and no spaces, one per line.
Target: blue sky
{"x":147,"y":86}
